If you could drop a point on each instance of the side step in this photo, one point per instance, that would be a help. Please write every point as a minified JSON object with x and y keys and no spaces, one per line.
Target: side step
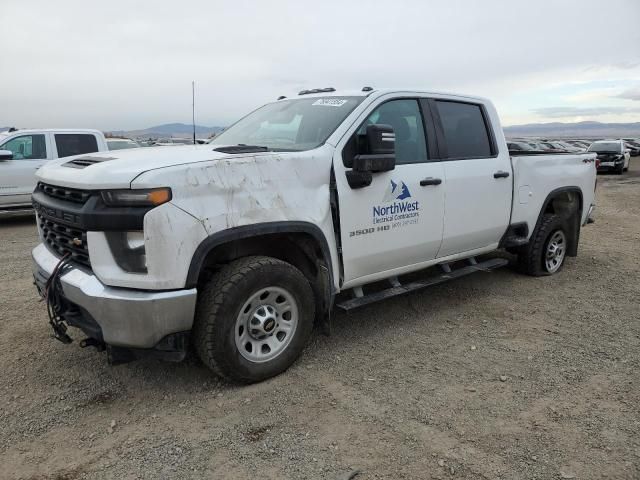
{"x":485,"y":266}
{"x":15,"y":212}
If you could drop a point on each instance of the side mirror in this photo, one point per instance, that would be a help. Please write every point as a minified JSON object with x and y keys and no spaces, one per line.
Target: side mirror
{"x":376,"y":155}
{"x":6,"y":155}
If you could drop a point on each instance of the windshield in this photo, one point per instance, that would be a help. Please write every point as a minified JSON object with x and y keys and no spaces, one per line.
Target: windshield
{"x":605,"y":147}
{"x":290,"y":125}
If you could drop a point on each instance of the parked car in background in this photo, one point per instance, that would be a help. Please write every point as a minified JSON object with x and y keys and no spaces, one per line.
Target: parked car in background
{"x":22,"y":152}
{"x":584,"y":143}
{"x":541,"y":146}
{"x":121,"y":143}
{"x":612,"y":154}
{"x":171,"y":142}
{"x":517,"y":146}
{"x":633,"y":146}
{"x":567,"y":146}
{"x":580,"y":144}
{"x":559,"y":146}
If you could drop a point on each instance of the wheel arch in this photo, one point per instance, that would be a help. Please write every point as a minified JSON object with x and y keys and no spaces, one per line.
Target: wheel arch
{"x":299,"y":243}
{"x":566,"y":201}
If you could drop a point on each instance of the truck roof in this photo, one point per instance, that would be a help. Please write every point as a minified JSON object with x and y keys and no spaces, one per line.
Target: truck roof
{"x":379,"y":92}
{"x":49,"y":130}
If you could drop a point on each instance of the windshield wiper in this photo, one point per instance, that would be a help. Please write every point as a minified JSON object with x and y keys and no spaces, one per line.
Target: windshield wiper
{"x":241,"y":148}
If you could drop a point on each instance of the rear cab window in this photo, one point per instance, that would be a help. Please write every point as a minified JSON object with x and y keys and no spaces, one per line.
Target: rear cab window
{"x":465,"y":130}
{"x":69,"y":144}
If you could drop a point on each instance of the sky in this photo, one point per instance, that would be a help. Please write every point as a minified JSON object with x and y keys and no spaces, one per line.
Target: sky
{"x":129,"y":64}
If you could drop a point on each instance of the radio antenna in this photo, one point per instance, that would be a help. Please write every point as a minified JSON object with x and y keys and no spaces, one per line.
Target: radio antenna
{"x":193,"y":109}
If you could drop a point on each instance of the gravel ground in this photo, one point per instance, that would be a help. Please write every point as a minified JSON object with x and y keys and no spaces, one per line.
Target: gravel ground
{"x":492,"y":376}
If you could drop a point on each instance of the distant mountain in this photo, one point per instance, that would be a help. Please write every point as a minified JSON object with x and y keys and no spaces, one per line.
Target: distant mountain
{"x":168,"y":130}
{"x":579,"y":129}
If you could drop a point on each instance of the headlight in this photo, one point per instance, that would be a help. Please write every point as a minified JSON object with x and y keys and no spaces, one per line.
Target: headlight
{"x":128,"y":250}
{"x":136,"y":198}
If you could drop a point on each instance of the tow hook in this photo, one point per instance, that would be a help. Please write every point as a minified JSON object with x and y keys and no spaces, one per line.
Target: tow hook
{"x":92,"y":342}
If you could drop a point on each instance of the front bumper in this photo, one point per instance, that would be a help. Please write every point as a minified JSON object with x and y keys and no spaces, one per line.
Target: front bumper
{"x":123,"y":317}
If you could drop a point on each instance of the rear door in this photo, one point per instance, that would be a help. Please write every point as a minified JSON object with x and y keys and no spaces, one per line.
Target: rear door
{"x":17,"y":176}
{"x":68,"y":144}
{"x":478,"y":186}
{"x":396,"y":221}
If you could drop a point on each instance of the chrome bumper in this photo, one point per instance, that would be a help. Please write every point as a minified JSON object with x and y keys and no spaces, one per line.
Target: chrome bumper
{"x":127,"y":317}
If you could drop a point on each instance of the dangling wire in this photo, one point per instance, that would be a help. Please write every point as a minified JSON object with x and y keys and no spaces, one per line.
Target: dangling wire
{"x":53,"y":296}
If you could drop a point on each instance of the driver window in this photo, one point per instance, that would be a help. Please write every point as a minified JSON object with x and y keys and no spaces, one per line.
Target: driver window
{"x":27,"y":147}
{"x":405,"y":118}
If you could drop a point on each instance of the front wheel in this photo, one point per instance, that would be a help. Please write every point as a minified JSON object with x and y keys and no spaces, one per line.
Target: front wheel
{"x":546,"y":252}
{"x":253,"y":319}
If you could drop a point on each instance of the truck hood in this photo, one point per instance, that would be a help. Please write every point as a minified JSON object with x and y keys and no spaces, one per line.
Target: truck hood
{"x":118,"y":168}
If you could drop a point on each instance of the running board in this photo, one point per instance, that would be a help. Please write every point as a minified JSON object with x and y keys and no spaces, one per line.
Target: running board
{"x":15,"y":212}
{"x":357,"y":302}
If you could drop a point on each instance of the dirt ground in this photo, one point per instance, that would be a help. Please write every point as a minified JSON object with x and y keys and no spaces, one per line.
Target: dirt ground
{"x":496,"y":375}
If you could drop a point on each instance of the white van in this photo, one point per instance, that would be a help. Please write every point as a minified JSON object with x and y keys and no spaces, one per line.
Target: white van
{"x":22,"y":152}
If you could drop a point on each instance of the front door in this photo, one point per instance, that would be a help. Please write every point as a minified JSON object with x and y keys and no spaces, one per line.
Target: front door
{"x":397,"y":220}
{"x":17,"y":176}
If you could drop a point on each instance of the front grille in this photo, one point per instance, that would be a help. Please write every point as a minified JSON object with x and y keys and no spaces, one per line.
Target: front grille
{"x":63,"y":240}
{"x":64,"y":193}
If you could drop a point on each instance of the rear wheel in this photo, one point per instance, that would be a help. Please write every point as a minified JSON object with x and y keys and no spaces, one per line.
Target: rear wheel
{"x":547,"y":250}
{"x":253,"y":319}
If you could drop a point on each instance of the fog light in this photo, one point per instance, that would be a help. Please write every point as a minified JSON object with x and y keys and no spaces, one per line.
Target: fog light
{"x":128,"y":250}
{"x":135,"y":240}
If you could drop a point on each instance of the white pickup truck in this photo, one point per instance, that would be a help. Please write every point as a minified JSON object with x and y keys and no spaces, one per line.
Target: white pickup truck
{"x":22,"y":152}
{"x":238,"y":246}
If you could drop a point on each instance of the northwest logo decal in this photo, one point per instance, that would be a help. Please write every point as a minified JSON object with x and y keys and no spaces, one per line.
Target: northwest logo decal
{"x":397,"y":204}
{"x":396,"y":192}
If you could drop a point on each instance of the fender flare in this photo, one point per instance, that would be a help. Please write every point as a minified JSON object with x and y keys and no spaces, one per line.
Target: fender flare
{"x":554,"y":193}
{"x":257,"y":229}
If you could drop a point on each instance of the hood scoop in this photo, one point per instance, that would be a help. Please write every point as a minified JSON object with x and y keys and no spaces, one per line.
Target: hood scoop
{"x":84,"y":162}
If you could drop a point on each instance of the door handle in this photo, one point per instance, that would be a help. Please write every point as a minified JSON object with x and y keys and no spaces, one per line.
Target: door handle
{"x":500,"y":174}
{"x":430,"y":181}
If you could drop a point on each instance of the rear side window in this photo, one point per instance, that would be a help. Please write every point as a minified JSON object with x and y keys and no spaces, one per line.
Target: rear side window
{"x":465,"y":130}
{"x":75,"y":144}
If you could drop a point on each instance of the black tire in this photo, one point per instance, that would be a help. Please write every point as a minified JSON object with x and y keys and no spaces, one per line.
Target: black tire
{"x":619,"y":169}
{"x":219,"y":302}
{"x":531,"y":259}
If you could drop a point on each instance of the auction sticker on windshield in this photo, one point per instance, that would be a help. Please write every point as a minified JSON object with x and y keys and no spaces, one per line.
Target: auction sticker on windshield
{"x":330,"y":102}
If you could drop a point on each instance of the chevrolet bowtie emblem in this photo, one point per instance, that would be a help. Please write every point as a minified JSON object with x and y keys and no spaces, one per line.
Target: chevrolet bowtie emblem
{"x":77,"y":242}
